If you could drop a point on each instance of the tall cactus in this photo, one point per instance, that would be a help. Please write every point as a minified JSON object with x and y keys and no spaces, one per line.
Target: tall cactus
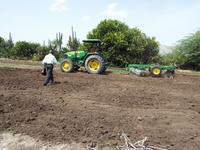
{"x":57,"y":43}
{"x":10,"y":41}
{"x":59,"y":37}
{"x":73,"y":42}
{"x":51,"y":45}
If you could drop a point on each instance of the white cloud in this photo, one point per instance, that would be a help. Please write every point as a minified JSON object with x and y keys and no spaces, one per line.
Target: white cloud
{"x":85,"y":18}
{"x":113,"y":11}
{"x":58,"y":6}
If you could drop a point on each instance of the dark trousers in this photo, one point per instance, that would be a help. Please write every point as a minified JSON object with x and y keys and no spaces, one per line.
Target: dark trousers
{"x":49,"y":72}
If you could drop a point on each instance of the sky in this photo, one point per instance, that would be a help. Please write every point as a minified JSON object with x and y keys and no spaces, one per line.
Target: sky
{"x":40,"y":20}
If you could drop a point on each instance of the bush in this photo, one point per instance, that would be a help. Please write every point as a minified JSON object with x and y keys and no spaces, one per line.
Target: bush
{"x":122,"y":45}
{"x":186,"y":54}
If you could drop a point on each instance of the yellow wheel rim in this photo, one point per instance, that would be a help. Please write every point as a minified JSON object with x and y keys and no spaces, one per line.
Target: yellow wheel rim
{"x":93,"y":64}
{"x":66,"y":66}
{"x":156,"y":71}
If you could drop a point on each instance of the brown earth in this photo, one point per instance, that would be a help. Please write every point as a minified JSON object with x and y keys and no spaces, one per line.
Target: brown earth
{"x":87,"y":108}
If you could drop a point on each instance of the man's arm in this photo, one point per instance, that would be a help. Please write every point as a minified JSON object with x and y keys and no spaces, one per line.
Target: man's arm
{"x":55,"y":60}
{"x":43,"y":61}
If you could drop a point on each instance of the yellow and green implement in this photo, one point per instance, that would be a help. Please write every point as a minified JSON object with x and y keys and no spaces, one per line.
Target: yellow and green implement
{"x":155,"y":70}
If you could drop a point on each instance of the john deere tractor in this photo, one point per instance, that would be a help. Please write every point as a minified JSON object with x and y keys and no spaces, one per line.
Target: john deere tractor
{"x":90,"y":59}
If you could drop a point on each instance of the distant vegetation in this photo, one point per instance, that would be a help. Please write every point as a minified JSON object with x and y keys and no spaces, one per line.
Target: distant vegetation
{"x":120,"y":46}
{"x":186,"y":54}
{"x":35,"y":51}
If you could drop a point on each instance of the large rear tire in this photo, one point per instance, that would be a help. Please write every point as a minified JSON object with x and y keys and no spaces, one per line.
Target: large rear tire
{"x":95,"y":64}
{"x":67,"y":66}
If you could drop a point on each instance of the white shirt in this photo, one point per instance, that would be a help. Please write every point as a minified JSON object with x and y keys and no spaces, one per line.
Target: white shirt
{"x":49,"y":59}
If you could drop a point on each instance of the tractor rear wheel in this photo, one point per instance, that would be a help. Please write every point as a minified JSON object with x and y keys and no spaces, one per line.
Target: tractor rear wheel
{"x":67,"y":65}
{"x":156,"y":71}
{"x":95,"y":64}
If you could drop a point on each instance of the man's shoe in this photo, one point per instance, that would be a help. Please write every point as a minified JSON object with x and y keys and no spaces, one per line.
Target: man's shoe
{"x":45,"y":84}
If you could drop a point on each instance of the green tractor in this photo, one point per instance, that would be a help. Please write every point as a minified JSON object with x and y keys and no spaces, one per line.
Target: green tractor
{"x":90,"y":59}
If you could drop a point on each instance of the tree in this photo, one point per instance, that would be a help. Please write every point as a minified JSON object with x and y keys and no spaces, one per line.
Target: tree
{"x":2,"y":46}
{"x":25,"y":49}
{"x":186,"y":54}
{"x":6,"y":46}
{"x":190,"y":48}
{"x":122,"y":45}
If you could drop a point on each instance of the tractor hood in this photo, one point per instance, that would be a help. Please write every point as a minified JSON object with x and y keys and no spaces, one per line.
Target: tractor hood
{"x":76,"y":54}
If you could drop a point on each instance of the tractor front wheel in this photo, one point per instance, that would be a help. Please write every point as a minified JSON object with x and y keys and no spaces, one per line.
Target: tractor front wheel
{"x":67,"y":65}
{"x":95,"y":64}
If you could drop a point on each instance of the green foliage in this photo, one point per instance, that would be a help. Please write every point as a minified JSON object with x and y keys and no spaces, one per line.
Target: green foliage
{"x":28,"y":50}
{"x":190,"y":48}
{"x":25,"y":49}
{"x":2,"y":46}
{"x":41,"y":52}
{"x":5,"y":47}
{"x":83,"y":47}
{"x":122,"y":45}
{"x":187,"y":53}
{"x":176,"y":57}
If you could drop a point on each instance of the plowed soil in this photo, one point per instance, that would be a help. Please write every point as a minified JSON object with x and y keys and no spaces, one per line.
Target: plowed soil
{"x":87,"y":108}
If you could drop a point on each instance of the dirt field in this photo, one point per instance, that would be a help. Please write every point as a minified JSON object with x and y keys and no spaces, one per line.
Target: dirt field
{"x":86,"y":108}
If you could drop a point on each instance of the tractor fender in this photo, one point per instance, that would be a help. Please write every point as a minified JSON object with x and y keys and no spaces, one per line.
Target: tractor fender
{"x":89,"y":54}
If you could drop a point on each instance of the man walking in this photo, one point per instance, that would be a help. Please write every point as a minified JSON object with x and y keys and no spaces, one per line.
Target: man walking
{"x":48,"y":62}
